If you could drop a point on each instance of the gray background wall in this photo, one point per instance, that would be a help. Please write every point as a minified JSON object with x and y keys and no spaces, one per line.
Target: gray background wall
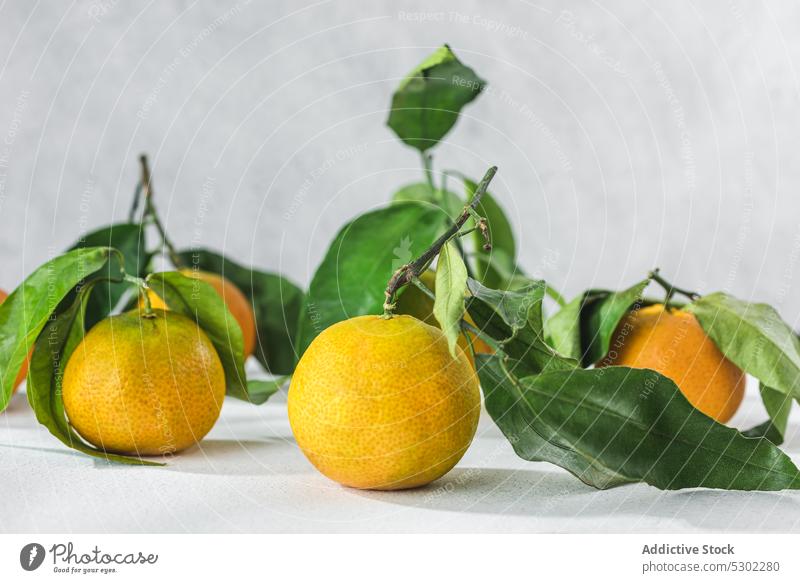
{"x":628,"y":134}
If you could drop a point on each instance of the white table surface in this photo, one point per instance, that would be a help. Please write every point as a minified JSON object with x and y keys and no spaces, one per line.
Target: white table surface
{"x":249,"y":476}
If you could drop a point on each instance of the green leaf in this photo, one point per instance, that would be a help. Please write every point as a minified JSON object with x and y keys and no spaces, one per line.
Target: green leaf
{"x":261,"y":390}
{"x":613,"y":425}
{"x":198,"y":300}
{"x":585,"y":327}
{"x":427,"y":103}
{"x":352,"y":277}
{"x":451,"y":285}
{"x":495,"y":267}
{"x":447,"y":201}
{"x":563,"y":329}
{"x":276,"y":302}
{"x":529,"y":434}
{"x":600,"y":318}
{"x":62,"y":334}
{"x":129,"y":240}
{"x":778,"y":406}
{"x":554,"y":295}
{"x":514,"y":319}
{"x":754,"y":338}
{"x":25,"y":312}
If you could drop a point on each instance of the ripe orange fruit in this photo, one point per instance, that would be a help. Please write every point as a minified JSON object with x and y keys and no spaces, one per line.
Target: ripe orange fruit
{"x":414,"y":302}
{"x":381,"y":403}
{"x":237,"y":303}
{"x":23,"y":372}
{"x":671,"y":341}
{"x":144,"y":385}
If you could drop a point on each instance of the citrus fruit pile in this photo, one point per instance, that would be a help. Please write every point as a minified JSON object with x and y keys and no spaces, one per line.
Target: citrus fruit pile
{"x":418,"y":317}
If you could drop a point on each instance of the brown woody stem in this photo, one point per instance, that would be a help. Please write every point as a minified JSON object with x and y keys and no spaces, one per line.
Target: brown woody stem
{"x":670,"y":289}
{"x":409,"y":271}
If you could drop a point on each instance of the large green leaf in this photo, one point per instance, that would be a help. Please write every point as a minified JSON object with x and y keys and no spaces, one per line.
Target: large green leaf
{"x":451,"y":285}
{"x":754,"y":337}
{"x":276,"y":302}
{"x":514,"y":320}
{"x":616,"y":425}
{"x":778,"y":406}
{"x":25,"y":312}
{"x":129,"y":240}
{"x":352,"y":277}
{"x":62,"y":334}
{"x":449,"y":202}
{"x":427,"y":103}
{"x":531,"y":436}
{"x":495,"y":268}
{"x":199,"y":301}
{"x":585,"y":327}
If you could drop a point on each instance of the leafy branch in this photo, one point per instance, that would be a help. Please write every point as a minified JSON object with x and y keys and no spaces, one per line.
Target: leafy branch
{"x":410,"y":271}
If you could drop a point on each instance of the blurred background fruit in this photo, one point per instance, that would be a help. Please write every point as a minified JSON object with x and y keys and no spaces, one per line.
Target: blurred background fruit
{"x":237,"y":303}
{"x":672,"y":342}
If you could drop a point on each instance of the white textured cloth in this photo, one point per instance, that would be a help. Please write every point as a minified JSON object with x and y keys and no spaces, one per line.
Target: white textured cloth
{"x":249,"y":476}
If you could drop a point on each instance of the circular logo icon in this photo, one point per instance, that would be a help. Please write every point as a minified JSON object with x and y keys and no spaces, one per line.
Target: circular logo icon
{"x":31,"y":556}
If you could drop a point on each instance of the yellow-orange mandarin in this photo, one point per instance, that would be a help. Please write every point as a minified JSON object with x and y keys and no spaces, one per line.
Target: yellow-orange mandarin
{"x":380,"y":403}
{"x":671,"y":341}
{"x":144,"y":384}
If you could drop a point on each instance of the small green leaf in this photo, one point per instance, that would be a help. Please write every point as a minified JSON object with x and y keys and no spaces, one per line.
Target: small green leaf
{"x":585,"y":327}
{"x":198,"y":300}
{"x":600,"y":318}
{"x":495,"y":267}
{"x":276,"y":302}
{"x":427,"y":103}
{"x":514,"y":319}
{"x":778,"y":406}
{"x":451,"y":285}
{"x":614,"y":425}
{"x":352,"y":277}
{"x":128,"y":239}
{"x":25,"y":312}
{"x":563,"y":329}
{"x":554,"y":295}
{"x":62,"y":334}
{"x":754,"y":338}
{"x":447,"y":201}
{"x":261,"y":390}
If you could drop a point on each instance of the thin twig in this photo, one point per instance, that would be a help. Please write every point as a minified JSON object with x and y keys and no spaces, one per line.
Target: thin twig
{"x":409,"y":271}
{"x":137,"y":195}
{"x":150,"y":211}
{"x":427,"y":168}
{"x":671,"y":289}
